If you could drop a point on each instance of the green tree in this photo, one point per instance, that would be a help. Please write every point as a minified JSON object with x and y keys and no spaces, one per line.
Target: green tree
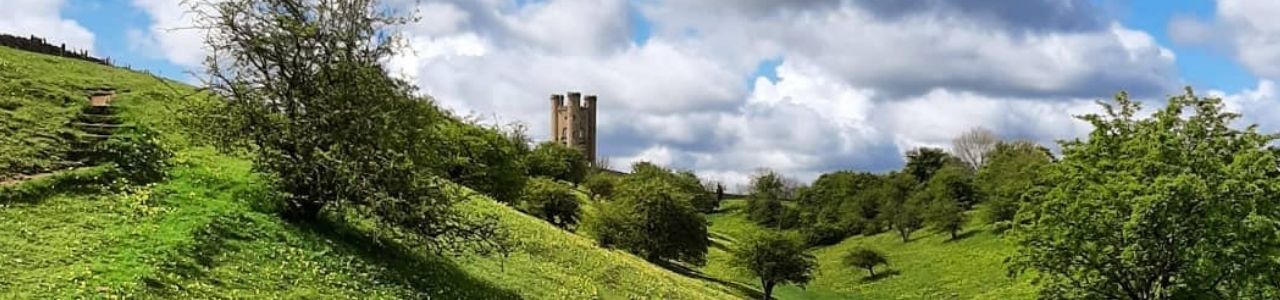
{"x":600,"y":185}
{"x":836,"y":205}
{"x":764,"y":201}
{"x":551,"y":201}
{"x":305,"y":90}
{"x":555,"y":160}
{"x":943,"y":199}
{"x":703,"y":199}
{"x":1009,"y":176}
{"x":865,"y":259}
{"x":483,"y":159}
{"x":655,"y":220}
{"x":923,"y":162}
{"x":686,"y":181}
{"x":775,"y":258}
{"x":1174,"y":206}
{"x":897,"y":210}
{"x":907,"y":215}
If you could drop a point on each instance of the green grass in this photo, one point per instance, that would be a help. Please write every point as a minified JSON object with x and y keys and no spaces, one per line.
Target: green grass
{"x":931,"y":266}
{"x":203,"y":233}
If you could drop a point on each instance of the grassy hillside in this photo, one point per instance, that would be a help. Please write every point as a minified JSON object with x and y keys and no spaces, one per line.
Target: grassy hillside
{"x":203,"y":234}
{"x":928,"y":267}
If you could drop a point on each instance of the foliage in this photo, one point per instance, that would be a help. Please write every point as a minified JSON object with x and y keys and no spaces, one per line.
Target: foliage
{"x":923,"y":162}
{"x":1175,"y":206}
{"x":899,"y":208}
{"x":685,"y":180}
{"x":945,"y":198}
{"x":601,"y":185}
{"x":305,"y":85}
{"x":837,"y":205}
{"x":972,"y":147}
{"x":555,"y":160}
{"x":551,"y":201}
{"x":864,"y":258}
{"x":775,"y":258}
{"x":655,"y":220}
{"x":764,"y":202}
{"x":483,"y":159}
{"x":138,"y":153}
{"x":907,"y":215}
{"x":1009,"y":176}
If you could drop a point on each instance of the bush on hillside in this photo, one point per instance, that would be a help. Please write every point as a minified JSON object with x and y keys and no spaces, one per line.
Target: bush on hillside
{"x":655,"y":220}
{"x":764,"y":203}
{"x":483,"y":159}
{"x":865,"y":259}
{"x":1009,"y":176}
{"x":555,"y":160}
{"x":308,"y":93}
{"x":138,"y":153}
{"x":601,"y":185}
{"x":550,"y":201}
{"x":775,"y":258}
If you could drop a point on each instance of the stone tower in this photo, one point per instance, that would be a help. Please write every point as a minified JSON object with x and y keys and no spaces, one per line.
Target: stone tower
{"x":573,"y":122}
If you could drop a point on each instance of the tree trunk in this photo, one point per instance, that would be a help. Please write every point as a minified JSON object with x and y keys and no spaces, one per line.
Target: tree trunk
{"x":953,"y":234}
{"x":768,"y":289}
{"x":872,"y":270}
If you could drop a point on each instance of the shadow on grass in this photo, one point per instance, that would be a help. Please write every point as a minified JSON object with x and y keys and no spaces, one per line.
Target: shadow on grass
{"x":418,"y":269}
{"x":743,"y":289}
{"x":963,"y":235}
{"x":882,"y":275}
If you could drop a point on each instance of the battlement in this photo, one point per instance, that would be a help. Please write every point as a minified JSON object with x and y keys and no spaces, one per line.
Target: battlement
{"x":573,"y":122}
{"x":575,"y":99}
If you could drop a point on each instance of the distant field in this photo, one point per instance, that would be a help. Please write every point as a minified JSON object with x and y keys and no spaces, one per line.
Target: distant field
{"x":929,"y":267}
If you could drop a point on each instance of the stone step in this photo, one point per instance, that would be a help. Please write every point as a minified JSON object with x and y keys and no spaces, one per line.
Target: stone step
{"x":100,"y":110}
{"x":98,"y":130}
{"x":99,"y":125}
{"x":98,"y":119}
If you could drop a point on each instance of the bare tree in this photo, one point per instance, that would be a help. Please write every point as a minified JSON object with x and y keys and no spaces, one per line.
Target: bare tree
{"x":972,"y":146}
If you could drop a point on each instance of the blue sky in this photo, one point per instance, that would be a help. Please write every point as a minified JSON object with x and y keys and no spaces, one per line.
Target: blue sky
{"x":723,"y":87}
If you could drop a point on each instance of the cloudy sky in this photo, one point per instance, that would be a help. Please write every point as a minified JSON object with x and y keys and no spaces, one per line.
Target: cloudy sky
{"x":727,"y":86}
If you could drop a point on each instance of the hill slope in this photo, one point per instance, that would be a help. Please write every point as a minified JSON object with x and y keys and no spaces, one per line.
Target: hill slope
{"x":928,"y":267}
{"x":201,"y":234}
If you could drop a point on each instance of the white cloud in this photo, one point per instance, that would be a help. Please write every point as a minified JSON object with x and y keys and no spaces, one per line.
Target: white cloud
{"x":43,"y":18}
{"x":859,"y":83}
{"x":171,"y":35}
{"x":1244,"y":28}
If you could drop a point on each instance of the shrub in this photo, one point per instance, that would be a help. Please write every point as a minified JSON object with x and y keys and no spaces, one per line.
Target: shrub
{"x":775,"y":258}
{"x":555,"y":160}
{"x":654,"y":220}
{"x":600,"y":185}
{"x":480,"y":158}
{"x":550,"y":201}
{"x":865,"y":258}
{"x":138,"y":153}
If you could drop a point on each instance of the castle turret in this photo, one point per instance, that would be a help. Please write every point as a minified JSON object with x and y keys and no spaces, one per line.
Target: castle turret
{"x":573,"y":123}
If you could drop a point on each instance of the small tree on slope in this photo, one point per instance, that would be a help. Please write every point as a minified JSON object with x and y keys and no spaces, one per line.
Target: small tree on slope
{"x":775,"y":258}
{"x":866,"y":259}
